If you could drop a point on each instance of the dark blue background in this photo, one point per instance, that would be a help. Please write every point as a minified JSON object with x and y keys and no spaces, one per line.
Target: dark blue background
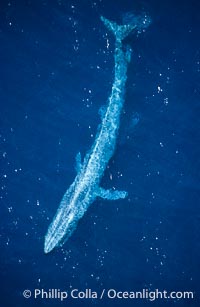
{"x":55,"y":73}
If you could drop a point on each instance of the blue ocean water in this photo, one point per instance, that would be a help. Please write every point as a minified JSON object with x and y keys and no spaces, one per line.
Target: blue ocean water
{"x":56,"y":73}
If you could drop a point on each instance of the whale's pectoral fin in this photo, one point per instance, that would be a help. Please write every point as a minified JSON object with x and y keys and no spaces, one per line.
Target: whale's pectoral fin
{"x":111,"y":194}
{"x":78,"y":162}
{"x":102,"y":111}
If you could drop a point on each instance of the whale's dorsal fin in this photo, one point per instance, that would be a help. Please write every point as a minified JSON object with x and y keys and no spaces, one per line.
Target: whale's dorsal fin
{"x":111,"y":194}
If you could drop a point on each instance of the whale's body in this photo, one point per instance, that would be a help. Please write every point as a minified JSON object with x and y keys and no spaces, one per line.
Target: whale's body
{"x":86,"y":186}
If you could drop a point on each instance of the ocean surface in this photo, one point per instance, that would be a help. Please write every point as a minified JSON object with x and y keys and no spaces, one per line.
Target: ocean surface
{"x":56,"y":73}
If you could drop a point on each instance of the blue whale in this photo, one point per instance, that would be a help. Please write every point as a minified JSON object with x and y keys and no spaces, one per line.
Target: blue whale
{"x":86,"y":186}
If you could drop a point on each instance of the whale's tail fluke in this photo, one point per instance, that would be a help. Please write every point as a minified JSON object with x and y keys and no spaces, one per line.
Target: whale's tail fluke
{"x":122,"y":31}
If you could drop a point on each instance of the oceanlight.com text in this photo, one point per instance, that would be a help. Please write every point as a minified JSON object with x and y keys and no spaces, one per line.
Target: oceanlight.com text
{"x":112,"y":294}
